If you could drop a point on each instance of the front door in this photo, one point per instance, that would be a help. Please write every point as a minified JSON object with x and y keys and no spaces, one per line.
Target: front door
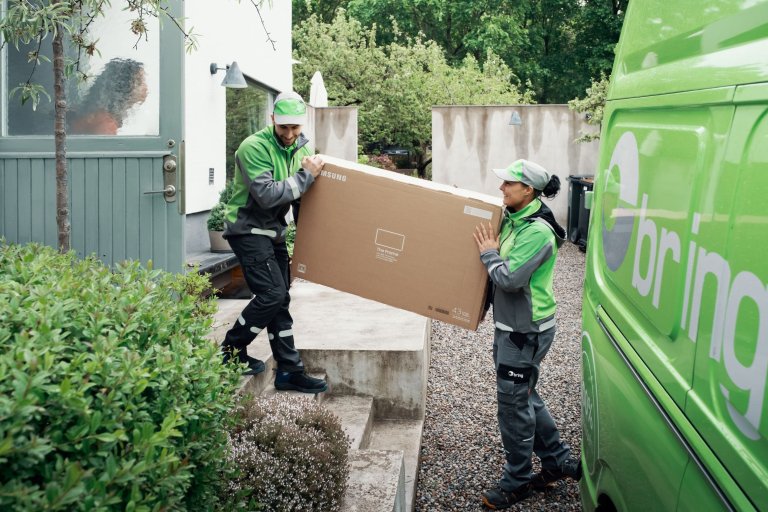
{"x":124,"y":134}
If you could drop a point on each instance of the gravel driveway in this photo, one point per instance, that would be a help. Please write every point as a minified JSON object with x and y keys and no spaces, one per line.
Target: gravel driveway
{"x":461,"y":452}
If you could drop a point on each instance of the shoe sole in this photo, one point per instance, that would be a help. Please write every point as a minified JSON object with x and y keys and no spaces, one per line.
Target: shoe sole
{"x":491,"y":506}
{"x":551,"y":485}
{"x":253,"y":371}
{"x":546,"y":487}
{"x":291,"y":387}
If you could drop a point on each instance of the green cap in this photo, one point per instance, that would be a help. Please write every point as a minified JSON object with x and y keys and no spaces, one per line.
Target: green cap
{"x":290,"y":109}
{"x":524,"y":171}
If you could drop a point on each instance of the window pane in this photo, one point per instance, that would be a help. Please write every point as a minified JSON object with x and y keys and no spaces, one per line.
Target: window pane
{"x":247,"y":113}
{"x":121,"y":95}
{"x":22,"y":120}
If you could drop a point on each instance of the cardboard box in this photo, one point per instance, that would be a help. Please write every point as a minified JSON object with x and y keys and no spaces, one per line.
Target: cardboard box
{"x":395,"y":239}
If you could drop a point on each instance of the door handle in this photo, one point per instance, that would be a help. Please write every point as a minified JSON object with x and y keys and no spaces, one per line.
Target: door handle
{"x":169,"y":180}
{"x":168,"y":192}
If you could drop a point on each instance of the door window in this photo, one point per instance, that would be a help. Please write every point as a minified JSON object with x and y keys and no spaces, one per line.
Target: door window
{"x":119,"y":96}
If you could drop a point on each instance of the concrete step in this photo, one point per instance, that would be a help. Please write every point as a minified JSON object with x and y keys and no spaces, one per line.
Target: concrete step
{"x":405,"y":436}
{"x":366,"y":348}
{"x":376,"y":482}
{"x":356,"y":415}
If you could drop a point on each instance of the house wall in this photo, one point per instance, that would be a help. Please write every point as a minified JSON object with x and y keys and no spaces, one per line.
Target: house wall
{"x":229,"y":32}
{"x":467,"y":142}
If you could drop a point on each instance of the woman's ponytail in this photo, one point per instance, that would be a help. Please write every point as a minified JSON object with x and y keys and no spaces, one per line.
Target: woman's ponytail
{"x":552,"y":187}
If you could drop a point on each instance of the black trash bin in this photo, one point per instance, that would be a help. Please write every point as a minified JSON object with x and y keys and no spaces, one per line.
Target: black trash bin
{"x":578,"y":215}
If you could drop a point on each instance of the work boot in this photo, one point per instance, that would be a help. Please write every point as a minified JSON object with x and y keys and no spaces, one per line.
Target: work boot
{"x":499,"y":499}
{"x":255,"y":366}
{"x":299,"y":381}
{"x":571,"y":468}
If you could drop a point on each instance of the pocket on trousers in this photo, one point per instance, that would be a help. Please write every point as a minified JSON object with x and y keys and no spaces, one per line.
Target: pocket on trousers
{"x":512,"y":380}
{"x":262,"y":274}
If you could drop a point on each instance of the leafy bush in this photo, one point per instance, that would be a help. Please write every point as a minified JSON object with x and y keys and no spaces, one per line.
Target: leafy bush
{"x":592,"y":105}
{"x":219,"y":211}
{"x":111,"y":398}
{"x":292,"y":455}
{"x":216,"y":217}
{"x":290,"y":238}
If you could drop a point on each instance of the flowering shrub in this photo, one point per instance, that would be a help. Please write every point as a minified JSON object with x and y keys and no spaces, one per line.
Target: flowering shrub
{"x":382,"y":162}
{"x":291,"y":455}
{"x":111,"y":397}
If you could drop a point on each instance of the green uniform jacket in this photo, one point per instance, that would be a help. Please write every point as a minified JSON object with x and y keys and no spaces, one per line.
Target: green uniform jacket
{"x":522,"y":270}
{"x":268,"y":180}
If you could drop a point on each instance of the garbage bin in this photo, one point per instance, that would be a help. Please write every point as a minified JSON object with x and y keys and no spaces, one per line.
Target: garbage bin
{"x":578,"y":215}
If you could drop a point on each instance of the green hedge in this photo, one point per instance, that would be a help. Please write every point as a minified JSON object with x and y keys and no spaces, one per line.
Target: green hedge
{"x":111,"y":398}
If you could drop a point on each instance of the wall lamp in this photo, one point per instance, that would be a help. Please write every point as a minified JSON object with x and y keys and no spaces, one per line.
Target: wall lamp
{"x":234,"y":78}
{"x":515,"y":119}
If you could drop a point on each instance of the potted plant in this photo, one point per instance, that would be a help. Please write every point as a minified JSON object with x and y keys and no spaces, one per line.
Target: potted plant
{"x":216,"y":220}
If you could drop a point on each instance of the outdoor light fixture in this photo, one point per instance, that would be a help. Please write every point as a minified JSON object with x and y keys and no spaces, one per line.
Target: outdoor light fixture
{"x":515,"y":119}
{"x":234,"y":78}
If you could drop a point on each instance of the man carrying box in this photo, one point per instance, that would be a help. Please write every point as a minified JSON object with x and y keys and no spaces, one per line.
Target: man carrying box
{"x":274,"y":168}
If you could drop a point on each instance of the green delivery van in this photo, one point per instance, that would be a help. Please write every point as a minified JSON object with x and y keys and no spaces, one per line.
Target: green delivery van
{"x":675,"y":311}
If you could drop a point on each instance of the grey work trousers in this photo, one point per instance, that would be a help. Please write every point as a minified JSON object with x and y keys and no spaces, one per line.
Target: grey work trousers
{"x":266,"y":270}
{"x":524,"y":421}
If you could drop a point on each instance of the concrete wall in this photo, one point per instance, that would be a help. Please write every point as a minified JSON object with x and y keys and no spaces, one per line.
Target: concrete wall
{"x":467,"y":142}
{"x":335,"y":132}
{"x":229,"y":32}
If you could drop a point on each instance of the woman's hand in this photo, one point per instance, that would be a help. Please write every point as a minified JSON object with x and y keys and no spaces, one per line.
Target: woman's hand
{"x":485,"y":239}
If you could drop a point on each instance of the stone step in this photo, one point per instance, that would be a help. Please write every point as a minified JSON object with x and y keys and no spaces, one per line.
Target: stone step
{"x":376,"y":482}
{"x":405,"y":436}
{"x":356,"y":415}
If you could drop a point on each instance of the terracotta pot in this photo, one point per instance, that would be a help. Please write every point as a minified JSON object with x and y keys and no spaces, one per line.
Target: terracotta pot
{"x":218,"y":243}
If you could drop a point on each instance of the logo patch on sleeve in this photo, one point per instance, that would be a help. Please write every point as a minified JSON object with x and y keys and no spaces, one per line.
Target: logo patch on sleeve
{"x":516,"y":375}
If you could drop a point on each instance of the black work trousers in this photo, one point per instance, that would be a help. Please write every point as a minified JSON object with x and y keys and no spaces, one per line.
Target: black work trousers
{"x":267,"y":272}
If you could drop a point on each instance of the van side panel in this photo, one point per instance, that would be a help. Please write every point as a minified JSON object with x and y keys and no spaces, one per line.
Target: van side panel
{"x":728,"y":401}
{"x":622,"y":468}
{"x":676,"y":283}
{"x":659,"y":161}
{"x":690,"y":45}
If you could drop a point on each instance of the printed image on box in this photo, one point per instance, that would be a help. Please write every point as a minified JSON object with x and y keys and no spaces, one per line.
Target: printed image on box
{"x":390,"y":239}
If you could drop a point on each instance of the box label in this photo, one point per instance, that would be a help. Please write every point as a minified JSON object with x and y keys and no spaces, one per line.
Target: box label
{"x":478,"y":212}
{"x":459,"y":314}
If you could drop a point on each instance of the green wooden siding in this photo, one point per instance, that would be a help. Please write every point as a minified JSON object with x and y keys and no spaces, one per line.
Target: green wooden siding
{"x":111,"y":217}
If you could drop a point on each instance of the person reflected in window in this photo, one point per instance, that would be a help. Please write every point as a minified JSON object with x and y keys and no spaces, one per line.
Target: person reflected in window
{"x":119,"y":87}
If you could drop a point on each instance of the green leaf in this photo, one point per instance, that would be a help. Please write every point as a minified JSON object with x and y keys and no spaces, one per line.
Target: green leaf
{"x":106,"y":437}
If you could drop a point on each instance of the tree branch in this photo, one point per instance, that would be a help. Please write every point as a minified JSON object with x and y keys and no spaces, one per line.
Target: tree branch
{"x":264,"y":25}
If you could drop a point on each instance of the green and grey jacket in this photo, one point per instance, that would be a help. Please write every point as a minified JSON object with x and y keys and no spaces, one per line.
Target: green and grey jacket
{"x":522,"y":269}
{"x":269,"y":178}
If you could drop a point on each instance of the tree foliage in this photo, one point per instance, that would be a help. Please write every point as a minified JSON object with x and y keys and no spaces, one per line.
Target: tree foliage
{"x":556,"y":45}
{"x":592,"y":105}
{"x":395,"y":85}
